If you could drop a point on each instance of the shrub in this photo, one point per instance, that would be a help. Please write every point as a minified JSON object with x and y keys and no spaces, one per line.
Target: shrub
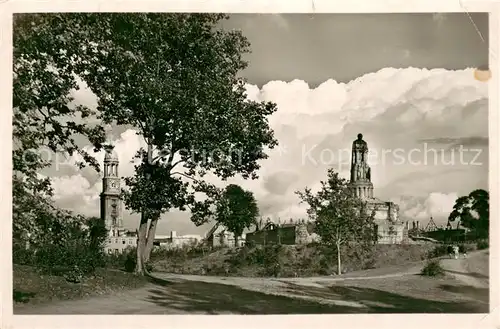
{"x":438,"y":251}
{"x":483,"y":244}
{"x":71,"y":246}
{"x":130,"y":261}
{"x":432,"y":268}
{"x":127,"y":260}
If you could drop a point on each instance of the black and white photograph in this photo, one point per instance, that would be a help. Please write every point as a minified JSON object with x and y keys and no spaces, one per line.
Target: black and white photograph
{"x":198,"y":163}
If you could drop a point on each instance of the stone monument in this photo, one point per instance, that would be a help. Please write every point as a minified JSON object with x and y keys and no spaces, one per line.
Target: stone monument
{"x":387,"y":223}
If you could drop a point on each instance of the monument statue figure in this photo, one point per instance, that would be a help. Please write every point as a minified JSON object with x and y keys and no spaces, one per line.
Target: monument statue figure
{"x":359,"y":168}
{"x":359,"y":149}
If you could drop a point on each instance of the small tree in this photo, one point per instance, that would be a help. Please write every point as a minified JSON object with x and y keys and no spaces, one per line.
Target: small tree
{"x":237,"y":209}
{"x":340,"y":217}
{"x":472,"y":211}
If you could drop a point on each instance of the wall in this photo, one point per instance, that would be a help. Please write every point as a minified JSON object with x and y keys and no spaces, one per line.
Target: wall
{"x":119,"y":244}
{"x":284,"y":235}
{"x":385,"y":236}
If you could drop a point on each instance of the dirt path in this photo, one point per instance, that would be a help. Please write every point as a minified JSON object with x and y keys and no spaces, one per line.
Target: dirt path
{"x":182,"y":294}
{"x":472,"y":271}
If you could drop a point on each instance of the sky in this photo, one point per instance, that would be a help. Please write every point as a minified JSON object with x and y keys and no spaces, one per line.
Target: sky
{"x":405,"y":81}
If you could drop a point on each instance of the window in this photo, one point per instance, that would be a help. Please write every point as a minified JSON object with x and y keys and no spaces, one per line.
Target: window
{"x":123,"y":241}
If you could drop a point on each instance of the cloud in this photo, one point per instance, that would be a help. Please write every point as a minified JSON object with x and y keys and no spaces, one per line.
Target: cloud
{"x":395,"y":109}
{"x":436,"y":205}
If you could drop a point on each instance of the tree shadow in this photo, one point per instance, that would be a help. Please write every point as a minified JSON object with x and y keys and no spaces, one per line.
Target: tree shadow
{"x":21,"y":296}
{"x":214,"y":298}
{"x":471,"y":274}
{"x":379,"y":301}
{"x":482,"y":294}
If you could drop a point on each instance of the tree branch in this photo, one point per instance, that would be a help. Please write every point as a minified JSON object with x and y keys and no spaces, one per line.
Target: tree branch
{"x":183,"y":174}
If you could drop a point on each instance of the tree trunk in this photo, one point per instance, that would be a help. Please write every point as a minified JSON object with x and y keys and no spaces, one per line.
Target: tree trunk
{"x":141,"y":244}
{"x":143,"y":226}
{"x":236,"y":240}
{"x":339,"y":263}
{"x":150,"y":238}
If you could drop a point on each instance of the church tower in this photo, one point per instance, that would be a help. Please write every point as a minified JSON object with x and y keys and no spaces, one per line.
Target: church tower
{"x":111,"y":207}
{"x":360,"y":182}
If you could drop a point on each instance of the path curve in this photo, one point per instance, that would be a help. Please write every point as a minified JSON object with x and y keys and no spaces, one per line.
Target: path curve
{"x":470,"y":271}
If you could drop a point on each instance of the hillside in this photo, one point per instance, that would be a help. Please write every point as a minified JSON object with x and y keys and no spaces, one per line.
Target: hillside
{"x":285,"y":261}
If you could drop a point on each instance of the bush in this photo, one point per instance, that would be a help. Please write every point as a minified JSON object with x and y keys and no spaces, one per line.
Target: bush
{"x":438,"y":251}
{"x":432,"y":268}
{"x":483,"y":244}
{"x":127,"y":261}
{"x":71,"y":246}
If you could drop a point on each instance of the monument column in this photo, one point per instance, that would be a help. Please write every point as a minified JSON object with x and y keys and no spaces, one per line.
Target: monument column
{"x":360,"y":182}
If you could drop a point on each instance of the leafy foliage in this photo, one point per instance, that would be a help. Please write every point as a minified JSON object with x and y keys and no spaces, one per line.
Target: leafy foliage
{"x":45,"y":56}
{"x":69,"y":245}
{"x":432,"y":268}
{"x":483,"y":244}
{"x":237,"y":209}
{"x":438,"y":251}
{"x":473,"y":212}
{"x":174,"y":77}
{"x":339,"y":216}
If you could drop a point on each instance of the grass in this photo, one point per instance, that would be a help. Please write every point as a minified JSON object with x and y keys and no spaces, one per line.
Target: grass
{"x":31,"y":287}
{"x":286,"y":261}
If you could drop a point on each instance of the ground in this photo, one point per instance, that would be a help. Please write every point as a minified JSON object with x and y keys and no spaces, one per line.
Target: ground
{"x":464,"y":289}
{"x":33,"y":288}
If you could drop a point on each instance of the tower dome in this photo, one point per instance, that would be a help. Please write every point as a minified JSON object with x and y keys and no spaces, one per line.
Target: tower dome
{"x":111,"y":156}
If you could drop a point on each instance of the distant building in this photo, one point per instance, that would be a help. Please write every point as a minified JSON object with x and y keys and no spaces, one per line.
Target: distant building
{"x":176,"y":241}
{"x":120,"y":243}
{"x":218,"y":235}
{"x":290,"y":233}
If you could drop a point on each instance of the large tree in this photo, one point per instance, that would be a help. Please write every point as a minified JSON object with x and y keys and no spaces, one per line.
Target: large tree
{"x":340,"y":217}
{"x":174,"y":78}
{"x":45,"y":57}
{"x":237,"y":209}
{"x":473,"y":212}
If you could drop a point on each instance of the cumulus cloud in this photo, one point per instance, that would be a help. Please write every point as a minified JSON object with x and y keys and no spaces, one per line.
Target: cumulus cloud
{"x":397,"y":110}
{"x":436,"y":205}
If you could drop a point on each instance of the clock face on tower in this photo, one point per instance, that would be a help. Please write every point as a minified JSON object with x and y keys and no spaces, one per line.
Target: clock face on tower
{"x":112,"y":185}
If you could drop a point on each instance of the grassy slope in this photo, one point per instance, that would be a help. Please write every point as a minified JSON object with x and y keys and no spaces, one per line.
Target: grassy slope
{"x":294,"y":260}
{"x":30,"y":287}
